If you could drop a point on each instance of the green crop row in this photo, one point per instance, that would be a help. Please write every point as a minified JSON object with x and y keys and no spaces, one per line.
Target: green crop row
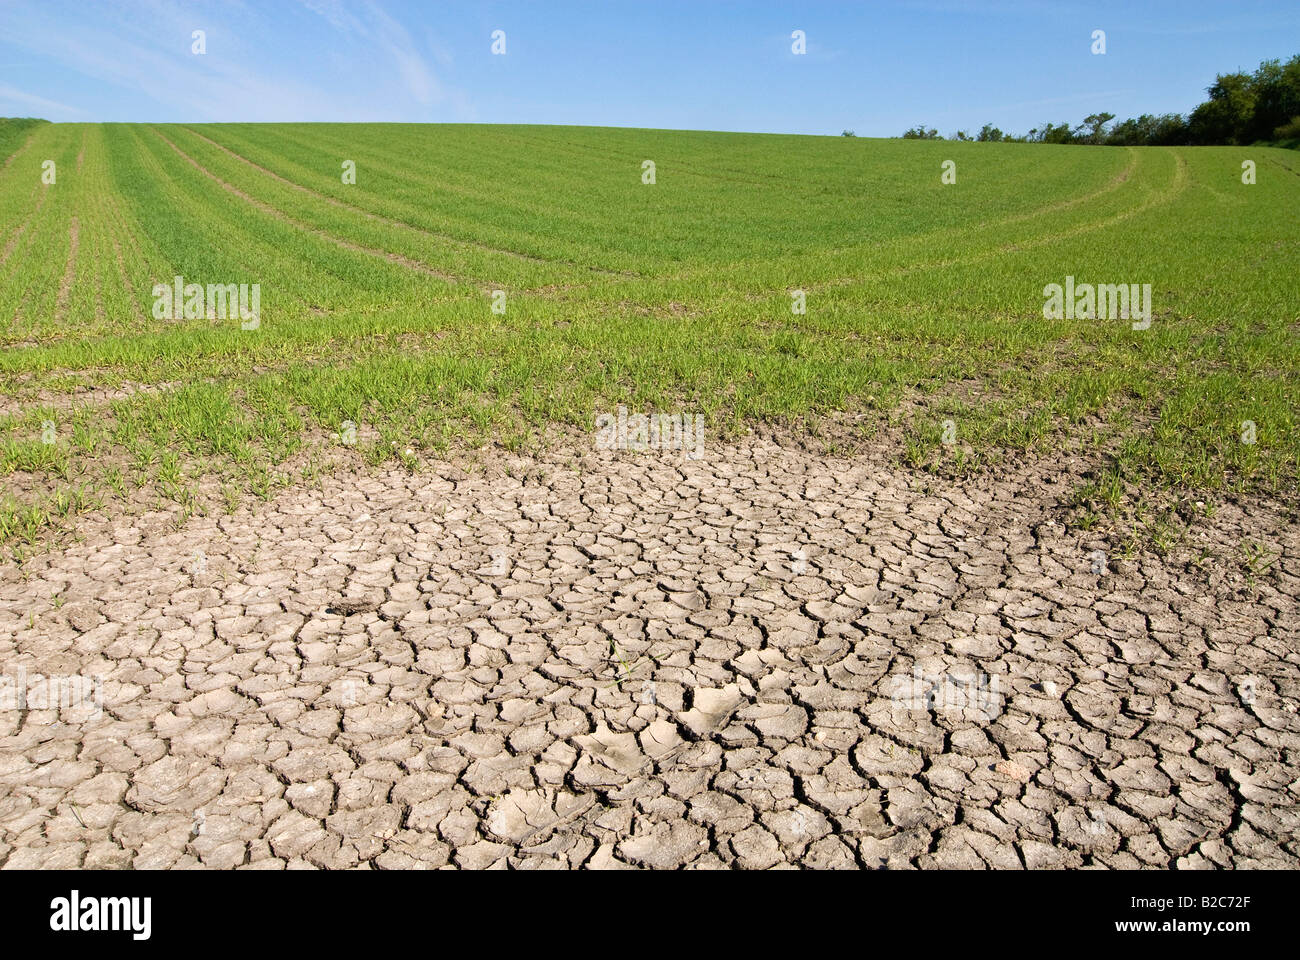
{"x":923,"y":300}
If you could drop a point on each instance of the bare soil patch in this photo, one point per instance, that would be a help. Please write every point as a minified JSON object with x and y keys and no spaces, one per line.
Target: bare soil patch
{"x":764,"y":657}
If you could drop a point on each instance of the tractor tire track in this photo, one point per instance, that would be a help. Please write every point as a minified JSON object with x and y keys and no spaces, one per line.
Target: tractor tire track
{"x":22,"y":227}
{"x":14,"y":156}
{"x":973,"y":230}
{"x":69,"y":271}
{"x":1159,"y":198}
{"x":401,"y":224}
{"x":408,"y":262}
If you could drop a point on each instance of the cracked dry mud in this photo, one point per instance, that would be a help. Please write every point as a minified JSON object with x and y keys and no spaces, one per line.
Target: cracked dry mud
{"x":745,"y":660}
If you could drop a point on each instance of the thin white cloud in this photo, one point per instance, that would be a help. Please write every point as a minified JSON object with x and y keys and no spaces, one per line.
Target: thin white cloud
{"x":10,"y":94}
{"x":148,"y":53}
{"x":396,"y":44}
{"x":337,"y":15}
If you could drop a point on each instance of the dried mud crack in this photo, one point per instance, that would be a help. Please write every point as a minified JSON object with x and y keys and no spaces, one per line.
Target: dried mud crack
{"x":762,"y":658}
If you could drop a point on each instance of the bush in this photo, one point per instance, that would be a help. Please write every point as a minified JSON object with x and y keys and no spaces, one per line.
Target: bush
{"x":1289,"y":130}
{"x":1242,"y":108}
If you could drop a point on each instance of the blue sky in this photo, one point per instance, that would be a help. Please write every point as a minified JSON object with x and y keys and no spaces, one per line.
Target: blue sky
{"x":875,"y":66}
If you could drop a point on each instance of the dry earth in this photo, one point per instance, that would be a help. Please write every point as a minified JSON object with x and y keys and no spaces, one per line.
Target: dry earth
{"x":761,"y":658}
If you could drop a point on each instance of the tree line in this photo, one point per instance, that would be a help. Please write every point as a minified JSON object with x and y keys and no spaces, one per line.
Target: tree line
{"x":1242,"y":108}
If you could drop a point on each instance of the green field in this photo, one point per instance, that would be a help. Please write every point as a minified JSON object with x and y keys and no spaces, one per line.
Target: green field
{"x":924,"y":303}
